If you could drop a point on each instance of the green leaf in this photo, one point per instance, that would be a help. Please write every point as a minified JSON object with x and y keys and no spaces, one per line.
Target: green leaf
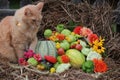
{"x":71,"y":25}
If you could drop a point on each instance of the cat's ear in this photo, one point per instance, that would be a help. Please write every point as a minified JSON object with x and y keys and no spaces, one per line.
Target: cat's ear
{"x":27,"y":12}
{"x":40,"y":6}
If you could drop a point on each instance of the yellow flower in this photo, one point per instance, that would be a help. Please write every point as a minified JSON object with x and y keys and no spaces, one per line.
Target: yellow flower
{"x":67,"y":38}
{"x":52,"y":38}
{"x":40,"y":67}
{"x":98,"y":46}
{"x":96,"y":42}
{"x":56,"y":33}
{"x":57,"y":45}
{"x":99,"y":49}
{"x":101,"y":40}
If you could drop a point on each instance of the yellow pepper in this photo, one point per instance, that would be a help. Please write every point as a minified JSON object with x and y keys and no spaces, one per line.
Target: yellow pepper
{"x":40,"y":67}
{"x":52,"y":70}
{"x":67,"y":38}
{"x":57,"y":45}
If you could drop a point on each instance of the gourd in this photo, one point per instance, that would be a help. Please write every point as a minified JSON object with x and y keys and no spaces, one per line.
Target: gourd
{"x":93,"y":55}
{"x":46,"y":48}
{"x":76,"y":58}
{"x":62,"y":67}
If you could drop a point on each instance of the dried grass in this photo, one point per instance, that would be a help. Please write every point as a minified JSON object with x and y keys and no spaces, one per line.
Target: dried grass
{"x":97,"y":17}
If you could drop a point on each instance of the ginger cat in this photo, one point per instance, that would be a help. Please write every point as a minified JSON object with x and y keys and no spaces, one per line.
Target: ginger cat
{"x":19,"y":32}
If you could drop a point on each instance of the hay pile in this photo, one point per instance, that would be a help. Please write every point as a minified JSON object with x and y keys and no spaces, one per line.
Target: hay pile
{"x":97,"y":17}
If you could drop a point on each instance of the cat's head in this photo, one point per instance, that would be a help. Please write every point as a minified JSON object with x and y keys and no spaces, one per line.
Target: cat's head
{"x":30,"y":15}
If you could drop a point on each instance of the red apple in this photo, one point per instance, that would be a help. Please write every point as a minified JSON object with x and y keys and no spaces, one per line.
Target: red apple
{"x":73,"y":46}
{"x":61,"y":51}
{"x":78,"y":47}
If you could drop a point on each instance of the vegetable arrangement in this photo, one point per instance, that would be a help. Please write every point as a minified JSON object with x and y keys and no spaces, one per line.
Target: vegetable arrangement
{"x":63,"y":49}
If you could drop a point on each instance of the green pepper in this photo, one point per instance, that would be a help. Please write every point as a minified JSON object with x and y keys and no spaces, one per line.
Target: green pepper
{"x":60,"y":27}
{"x":88,"y":66}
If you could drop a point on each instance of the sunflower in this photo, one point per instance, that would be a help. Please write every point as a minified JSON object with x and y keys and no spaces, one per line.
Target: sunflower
{"x":98,"y":46}
{"x":101,"y":40}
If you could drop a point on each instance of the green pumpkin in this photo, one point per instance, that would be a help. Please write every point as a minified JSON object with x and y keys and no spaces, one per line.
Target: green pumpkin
{"x":46,"y":48}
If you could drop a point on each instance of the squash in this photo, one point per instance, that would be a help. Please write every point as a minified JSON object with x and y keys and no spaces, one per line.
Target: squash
{"x":76,"y":58}
{"x":46,"y":48}
{"x":93,"y":55}
{"x":63,"y":67}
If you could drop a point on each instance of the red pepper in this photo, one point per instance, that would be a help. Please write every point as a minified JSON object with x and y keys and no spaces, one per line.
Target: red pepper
{"x":50,"y":59}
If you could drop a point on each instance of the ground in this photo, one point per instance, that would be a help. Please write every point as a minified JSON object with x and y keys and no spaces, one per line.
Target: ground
{"x":26,"y":73}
